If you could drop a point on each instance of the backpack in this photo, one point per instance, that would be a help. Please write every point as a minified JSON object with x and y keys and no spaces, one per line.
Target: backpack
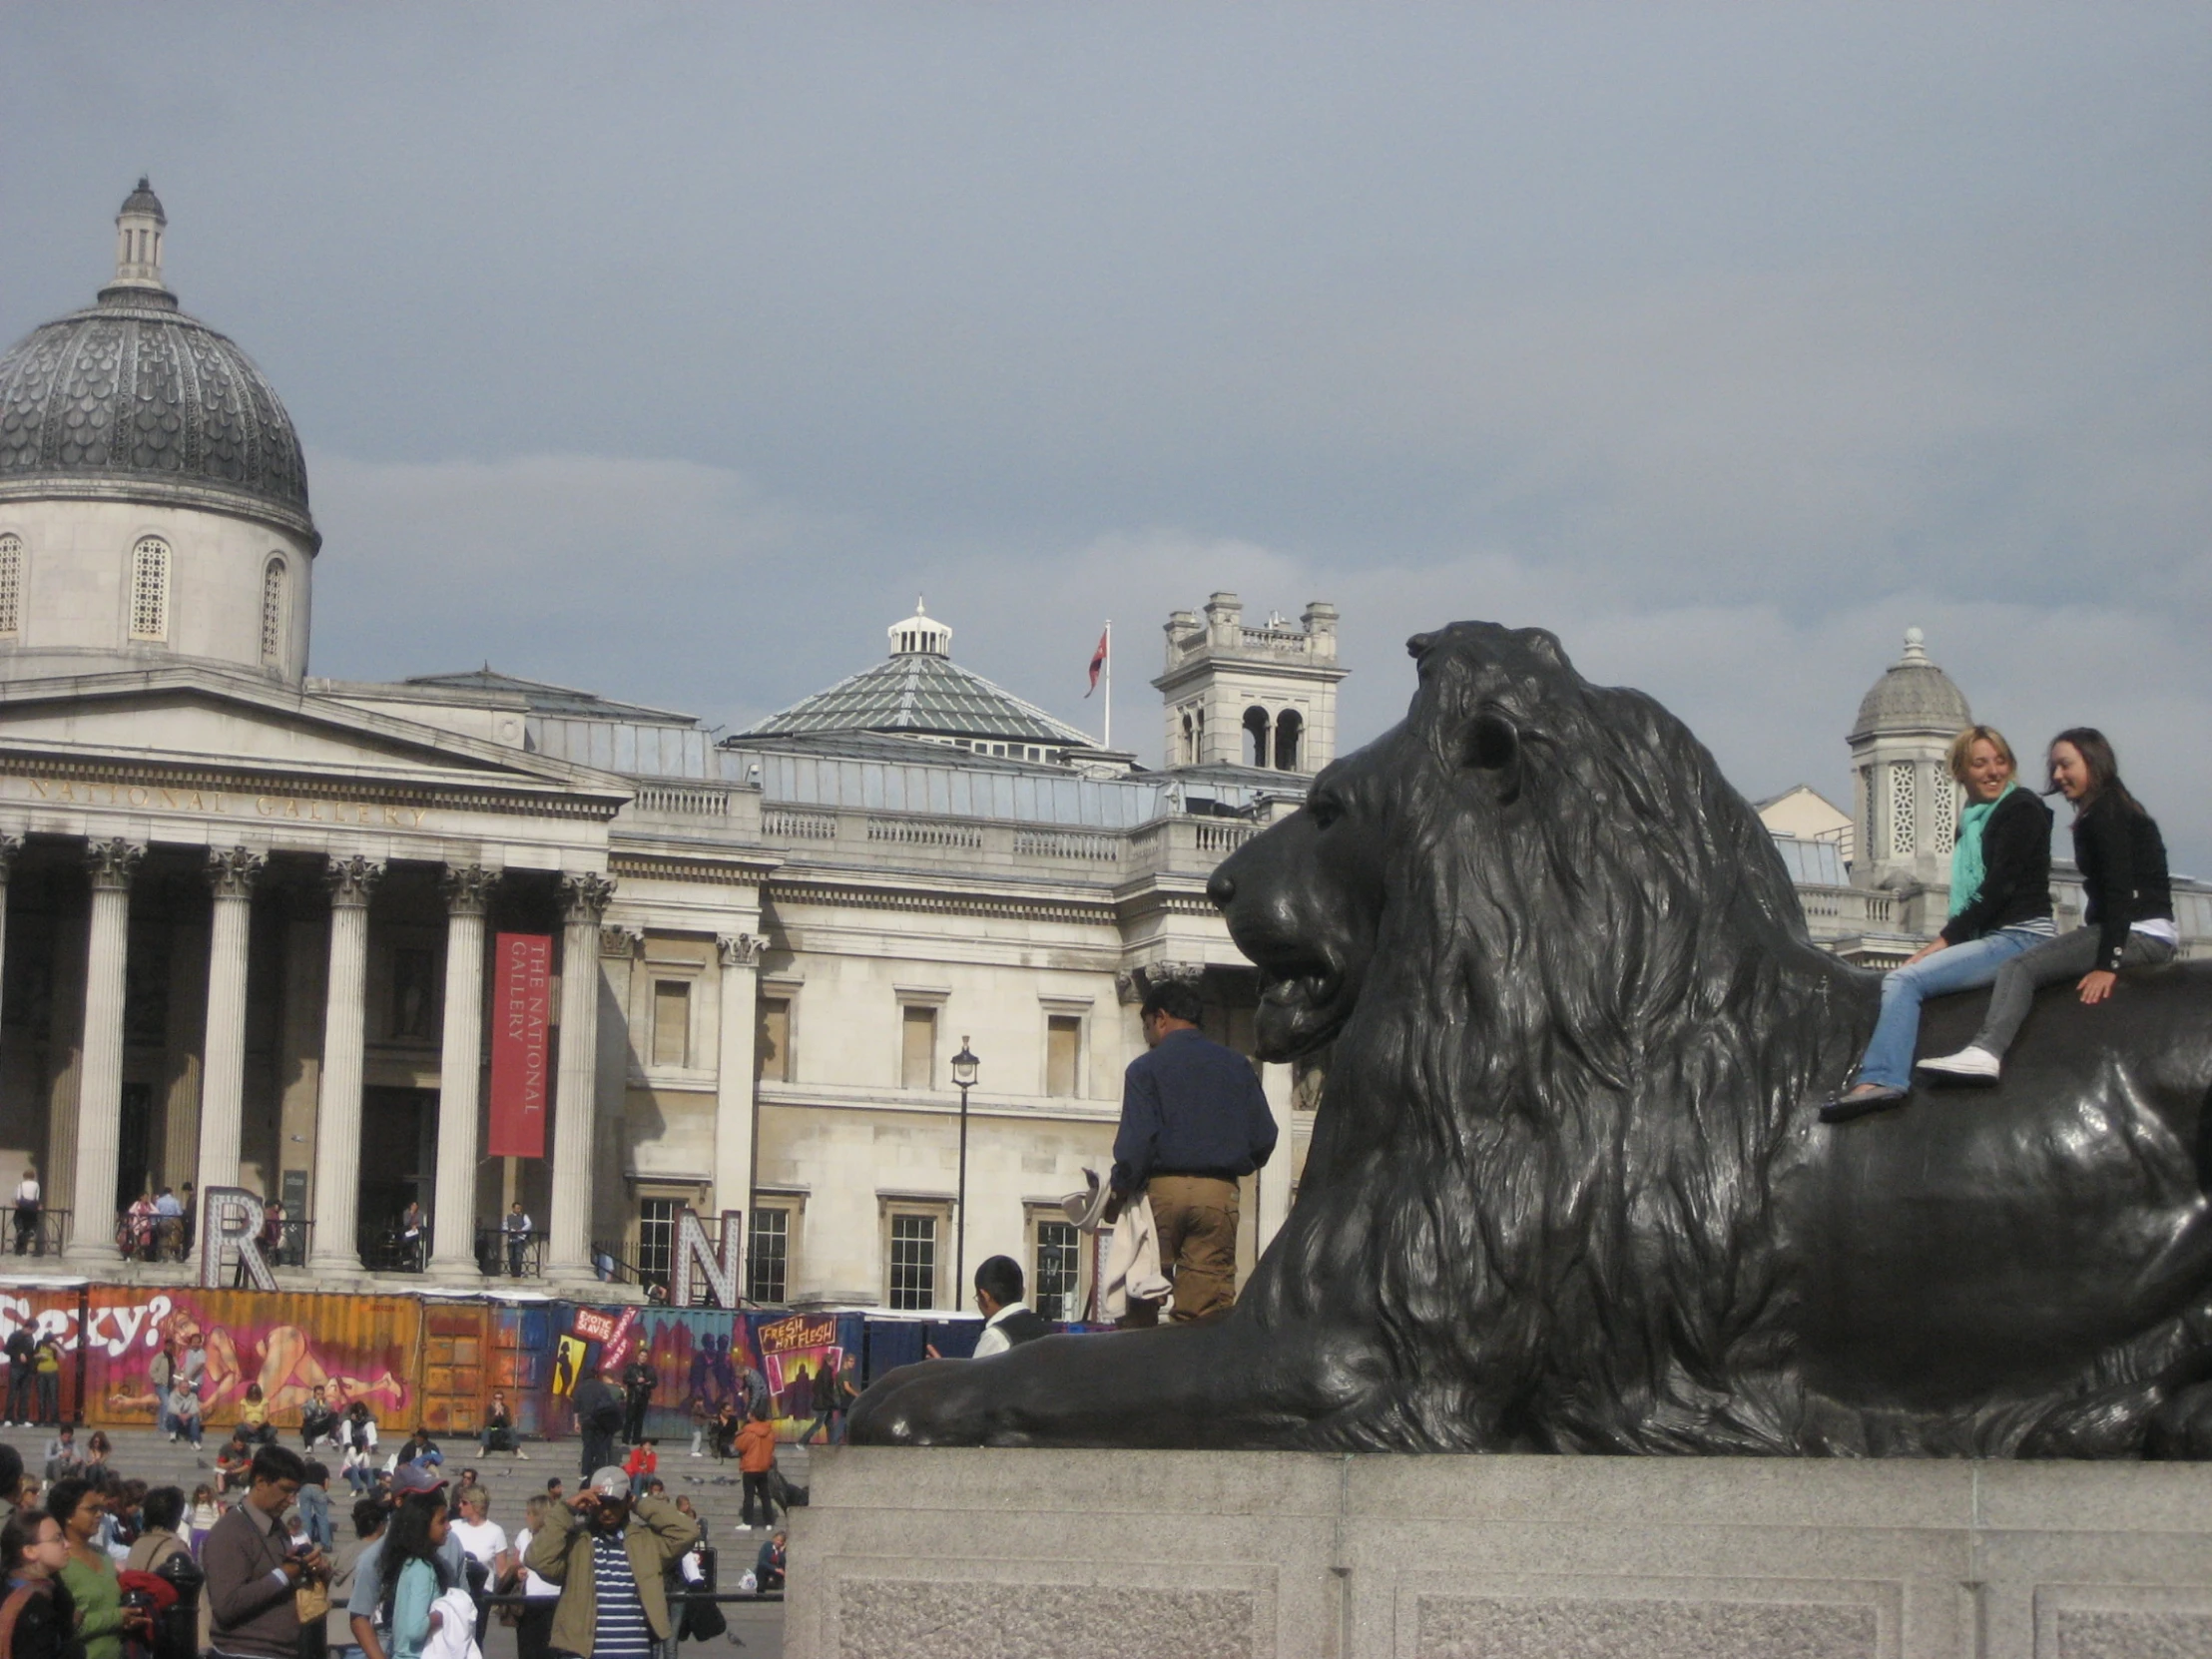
{"x":606,"y":1410}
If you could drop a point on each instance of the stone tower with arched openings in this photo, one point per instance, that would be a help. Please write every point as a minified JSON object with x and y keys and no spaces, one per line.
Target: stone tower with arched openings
{"x":1904,"y":807}
{"x":1263,"y":697}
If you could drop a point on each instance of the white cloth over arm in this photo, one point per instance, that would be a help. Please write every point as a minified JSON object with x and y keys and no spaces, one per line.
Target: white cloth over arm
{"x":1133,"y":1262}
{"x":455,"y":1636}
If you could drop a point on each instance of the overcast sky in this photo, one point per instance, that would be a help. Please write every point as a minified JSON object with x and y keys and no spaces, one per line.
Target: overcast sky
{"x":671,"y":350}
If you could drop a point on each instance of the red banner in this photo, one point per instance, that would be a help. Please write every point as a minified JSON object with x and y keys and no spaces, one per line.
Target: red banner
{"x":521,"y":1005}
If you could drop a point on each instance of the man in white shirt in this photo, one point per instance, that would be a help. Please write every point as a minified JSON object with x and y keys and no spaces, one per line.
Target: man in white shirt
{"x":1007,"y":1320}
{"x":27,"y":1201}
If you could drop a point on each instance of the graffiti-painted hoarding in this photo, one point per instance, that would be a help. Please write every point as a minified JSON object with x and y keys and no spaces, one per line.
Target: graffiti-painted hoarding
{"x":355,"y":1346}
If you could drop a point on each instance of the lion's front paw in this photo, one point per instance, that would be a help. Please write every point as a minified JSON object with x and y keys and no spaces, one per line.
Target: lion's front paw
{"x":937,"y":1403}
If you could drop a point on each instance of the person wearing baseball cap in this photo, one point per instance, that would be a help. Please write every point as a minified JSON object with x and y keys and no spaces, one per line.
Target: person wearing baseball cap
{"x":608,"y":1552}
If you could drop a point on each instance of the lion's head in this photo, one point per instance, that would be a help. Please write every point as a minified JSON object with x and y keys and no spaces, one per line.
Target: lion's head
{"x":1567,"y":994}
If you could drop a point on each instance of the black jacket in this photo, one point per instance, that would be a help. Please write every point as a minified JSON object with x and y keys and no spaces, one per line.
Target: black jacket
{"x":2015,"y":869}
{"x":2122,"y":858}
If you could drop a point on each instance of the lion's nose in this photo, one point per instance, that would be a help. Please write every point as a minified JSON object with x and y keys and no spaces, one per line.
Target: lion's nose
{"x":1221,"y":889}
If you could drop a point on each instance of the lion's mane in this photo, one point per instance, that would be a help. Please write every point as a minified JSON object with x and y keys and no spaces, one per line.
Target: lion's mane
{"x":1546,"y":1145}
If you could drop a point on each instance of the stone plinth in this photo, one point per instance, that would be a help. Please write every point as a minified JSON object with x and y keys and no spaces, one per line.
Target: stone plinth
{"x":986,"y":1554}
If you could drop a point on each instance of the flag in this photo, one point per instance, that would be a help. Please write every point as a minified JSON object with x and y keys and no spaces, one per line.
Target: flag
{"x":1098,"y":660}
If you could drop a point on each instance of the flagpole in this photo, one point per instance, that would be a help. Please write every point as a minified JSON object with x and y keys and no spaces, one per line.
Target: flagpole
{"x":1108,"y":742}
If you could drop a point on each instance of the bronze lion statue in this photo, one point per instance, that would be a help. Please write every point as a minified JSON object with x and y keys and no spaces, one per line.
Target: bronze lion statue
{"x":1566,"y":1191}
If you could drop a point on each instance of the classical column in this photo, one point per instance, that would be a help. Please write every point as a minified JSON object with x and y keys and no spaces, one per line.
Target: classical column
{"x":10,"y":846}
{"x":232,"y":872}
{"x":735,"y":1091}
{"x":100,"y":1097}
{"x":583,"y":901}
{"x":337,"y":1148}
{"x":460,"y":1066}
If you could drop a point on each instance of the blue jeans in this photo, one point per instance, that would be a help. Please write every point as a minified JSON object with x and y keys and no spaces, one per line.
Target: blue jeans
{"x":1959,"y":967}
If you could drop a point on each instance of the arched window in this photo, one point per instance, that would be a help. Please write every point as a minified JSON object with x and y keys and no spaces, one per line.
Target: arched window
{"x":1290,"y":727}
{"x":11,"y":586}
{"x":273,"y":614}
{"x":1189,"y":753}
{"x":1255,"y":737}
{"x":150,"y":588}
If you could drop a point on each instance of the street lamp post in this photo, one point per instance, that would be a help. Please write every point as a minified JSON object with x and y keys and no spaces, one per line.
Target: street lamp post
{"x":964,"y":1068}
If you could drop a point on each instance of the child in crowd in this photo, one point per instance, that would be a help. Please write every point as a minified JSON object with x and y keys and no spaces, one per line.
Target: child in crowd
{"x":205,"y":1512}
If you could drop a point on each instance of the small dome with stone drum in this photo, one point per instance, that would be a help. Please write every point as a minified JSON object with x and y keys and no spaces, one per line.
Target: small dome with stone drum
{"x":131,"y":399}
{"x":1913,"y":696}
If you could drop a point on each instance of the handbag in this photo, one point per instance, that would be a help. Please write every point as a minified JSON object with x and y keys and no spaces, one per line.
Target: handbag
{"x":703,"y":1622}
{"x":312,"y":1600}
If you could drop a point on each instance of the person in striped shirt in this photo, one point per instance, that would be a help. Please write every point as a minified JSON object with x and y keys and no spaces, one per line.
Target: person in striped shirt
{"x":608,"y":1553}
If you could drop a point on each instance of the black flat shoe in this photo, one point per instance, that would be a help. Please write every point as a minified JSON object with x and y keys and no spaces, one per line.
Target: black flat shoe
{"x":1843,"y":1108}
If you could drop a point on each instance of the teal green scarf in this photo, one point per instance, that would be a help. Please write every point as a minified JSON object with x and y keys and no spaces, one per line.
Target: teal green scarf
{"x":1965,"y":857}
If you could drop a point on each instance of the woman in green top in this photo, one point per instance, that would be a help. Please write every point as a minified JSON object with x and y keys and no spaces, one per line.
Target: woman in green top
{"x":89,"y":1574}
{"x":413,"y":1575}
{"x":1999,"y":908}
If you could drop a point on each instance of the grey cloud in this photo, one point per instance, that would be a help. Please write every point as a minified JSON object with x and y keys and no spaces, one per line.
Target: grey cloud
{"x":669,"y":350}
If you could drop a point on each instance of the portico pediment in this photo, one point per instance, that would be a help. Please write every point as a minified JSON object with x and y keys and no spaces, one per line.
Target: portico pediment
{"x":204,"y":743}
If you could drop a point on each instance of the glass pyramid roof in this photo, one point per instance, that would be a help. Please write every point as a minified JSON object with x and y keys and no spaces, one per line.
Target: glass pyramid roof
{"x":919,"y":691}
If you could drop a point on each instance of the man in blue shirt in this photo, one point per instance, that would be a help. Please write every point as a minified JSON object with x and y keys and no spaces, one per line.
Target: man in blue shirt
{"x":1193,"y":1122}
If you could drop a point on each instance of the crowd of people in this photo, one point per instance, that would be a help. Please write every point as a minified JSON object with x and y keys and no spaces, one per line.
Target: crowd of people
{"x":96,"y":1561}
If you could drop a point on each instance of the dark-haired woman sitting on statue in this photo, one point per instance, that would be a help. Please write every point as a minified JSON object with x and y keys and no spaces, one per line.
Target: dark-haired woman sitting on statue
{"x":2000,"y":910}
{"x":2130,"y":909}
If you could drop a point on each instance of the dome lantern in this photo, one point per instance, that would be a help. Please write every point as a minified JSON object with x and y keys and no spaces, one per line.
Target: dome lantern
{"x":138,"y":230}
{"x":920,"y":635}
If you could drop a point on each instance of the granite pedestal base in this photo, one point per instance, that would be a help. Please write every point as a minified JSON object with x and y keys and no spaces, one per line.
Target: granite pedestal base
{"x":990,"y":1554}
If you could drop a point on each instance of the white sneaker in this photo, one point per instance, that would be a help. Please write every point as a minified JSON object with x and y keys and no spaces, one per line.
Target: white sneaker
{"x":521,"y":1455}
{"x":1972,"y":1064}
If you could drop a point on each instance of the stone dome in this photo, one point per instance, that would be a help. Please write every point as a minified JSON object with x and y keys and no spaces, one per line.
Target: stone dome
{"x":1913,"y":696}
{"x":131,"y":399}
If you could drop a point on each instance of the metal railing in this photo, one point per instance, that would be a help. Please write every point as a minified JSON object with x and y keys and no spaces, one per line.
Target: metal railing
{"x":384,"y":1248}
{"x":613,"y":1267}
{"x":150,"y":1238}
{"x":506,"y":1254}
{"x":46,"y":1233}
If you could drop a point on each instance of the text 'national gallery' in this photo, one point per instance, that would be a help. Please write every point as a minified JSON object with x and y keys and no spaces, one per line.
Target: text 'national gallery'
{"x":270,"y":931}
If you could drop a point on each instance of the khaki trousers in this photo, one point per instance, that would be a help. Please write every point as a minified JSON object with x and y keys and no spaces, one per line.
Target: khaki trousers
{"x":1196,"y":1219}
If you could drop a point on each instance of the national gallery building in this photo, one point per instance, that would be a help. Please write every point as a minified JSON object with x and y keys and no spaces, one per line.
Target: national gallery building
{"x":261,"y":928}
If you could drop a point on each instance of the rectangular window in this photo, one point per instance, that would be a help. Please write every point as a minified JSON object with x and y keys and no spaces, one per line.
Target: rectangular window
{"x":1058,"y":1278}
{"x":1063,"y":1051}
{"x":913,"y":1262}
{"x":771,"y":1043}
{"x":150,"y":588}
{"x":11,"y":585}
{"x":672,"y":1022}
{"x":656,"y":1238}
{"x":917,"y":1055}
{"x":767,"y":1255}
